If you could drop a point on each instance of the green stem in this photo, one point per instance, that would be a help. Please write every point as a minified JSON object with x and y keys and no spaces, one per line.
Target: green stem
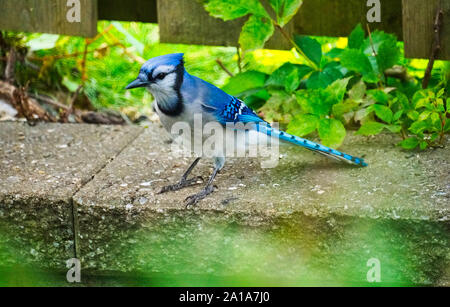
{"x":404,"y":135}
{"x":442,"y":133}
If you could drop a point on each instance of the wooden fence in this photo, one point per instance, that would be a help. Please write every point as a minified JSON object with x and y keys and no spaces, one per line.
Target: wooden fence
{"x":185,"y":21}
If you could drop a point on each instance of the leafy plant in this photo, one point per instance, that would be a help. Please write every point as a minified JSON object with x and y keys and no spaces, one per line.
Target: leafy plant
{"x":370,"y":56}
{"x":348,"y":87}
{"x":317,"y":106}
{"x":423,"y":120}
{"x":260,"y":26}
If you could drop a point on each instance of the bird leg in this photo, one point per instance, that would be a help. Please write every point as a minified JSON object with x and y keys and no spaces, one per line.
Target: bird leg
{"x":184,"y":182}
{"x":209,"y":188}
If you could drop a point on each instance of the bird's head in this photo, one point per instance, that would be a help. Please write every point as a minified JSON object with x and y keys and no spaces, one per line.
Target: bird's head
{"x":162,"y":74}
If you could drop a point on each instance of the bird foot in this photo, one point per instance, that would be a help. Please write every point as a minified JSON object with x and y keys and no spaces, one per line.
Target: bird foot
{"x":184,"y":183}
{"x":194,"y":199}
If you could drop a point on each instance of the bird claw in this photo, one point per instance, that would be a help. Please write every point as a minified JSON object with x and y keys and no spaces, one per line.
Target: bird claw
{"x":184,"y":183}
{"x":194,"y":199}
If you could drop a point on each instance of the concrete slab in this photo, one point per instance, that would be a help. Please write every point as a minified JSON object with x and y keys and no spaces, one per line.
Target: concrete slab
{"x":41,"y":168}
{"x":308,"y":219}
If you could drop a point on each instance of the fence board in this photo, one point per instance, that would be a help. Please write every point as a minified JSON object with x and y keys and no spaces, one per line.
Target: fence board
{"x":418,"y":27}
{"x":48,"y":16}
{"x":129,"y":10}
{"x":339,"y":17}
{"x":187,"y":22}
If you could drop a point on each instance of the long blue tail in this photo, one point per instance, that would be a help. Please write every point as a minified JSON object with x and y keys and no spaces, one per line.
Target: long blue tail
{"x":329,"y":152}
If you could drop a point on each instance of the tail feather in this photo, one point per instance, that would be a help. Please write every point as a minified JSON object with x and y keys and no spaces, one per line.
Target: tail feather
{"x":329,"y":152}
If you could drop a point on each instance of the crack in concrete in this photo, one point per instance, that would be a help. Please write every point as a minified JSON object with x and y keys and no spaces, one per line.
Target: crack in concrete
{"x":72,"y":203}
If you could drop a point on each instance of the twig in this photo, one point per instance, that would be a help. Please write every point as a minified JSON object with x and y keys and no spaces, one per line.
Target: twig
{"x":49,"y":101}
{"x":83,"y":62}
{"x":26,"y":106}
{"x":436,"y":47}
{"x":224,"y":68}
{"x":64,"y":117}
{"x":134,"y":57}
{"x":239,"y":59}
{"x":69,"y":55}
{"x":75,"y":96}
{"x":371,"y":40}
{"x":2,"y":51}
{"x":10,"y":66}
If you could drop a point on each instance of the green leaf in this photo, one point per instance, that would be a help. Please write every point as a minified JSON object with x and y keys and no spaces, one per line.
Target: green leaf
{"x":439,"y":105}
{"x":375,"y":41}
{"x":337,"y":90}
{"x":379,"y":96}
{"x":332,"y":132}
{"x":362,"y":114}
{"x":383,"y":113}
{"x":279,"y":103}
{"x":358,"y":91}
{"x":394,"y":128}
{"x":288,"y":76}
{"x":371,"y":77}
{"x":335,"y":53}
{"x":371,"y":128}
{"x":434,"y":137}
{"x":410,"y":143}
{"x":245,"y":81}
{"x":424,"y":115}
{"x":255,"y":33}
{"x":232,"y":9}
{"x":440,"y":93}
{"x":421,"y":99}
{"x":318,"y":80}
{"x":356,"y":38}
{"x":322,"y":79}
{"x":447,"y":125}
{"x":303,"y":124}
{"x":254,"y":102}
{"x":388,"y":54}
{"x":310,"y":47}
{"x":314,"y":102}
{"x":413,"y":115}
{"x":341,"y":108}
{"x":356,"y":60}
{"x":423,"y":145}
{"x":435,"y":119}
{"x":418,"y":127}
{"x":403,"y":100}
{"x":332,"y":72}
{"x":397,"y":115}
{"x":285,"y":9}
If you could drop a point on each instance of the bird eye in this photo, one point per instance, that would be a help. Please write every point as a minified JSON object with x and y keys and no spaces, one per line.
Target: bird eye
{"x":160,"y":76}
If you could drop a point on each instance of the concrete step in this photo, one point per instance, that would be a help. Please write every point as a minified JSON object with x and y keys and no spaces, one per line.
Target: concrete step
{"x":41,"y":168}
{"x":309,"y":220}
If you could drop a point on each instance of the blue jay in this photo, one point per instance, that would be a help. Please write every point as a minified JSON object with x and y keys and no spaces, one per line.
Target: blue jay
{"x":179,"y":96}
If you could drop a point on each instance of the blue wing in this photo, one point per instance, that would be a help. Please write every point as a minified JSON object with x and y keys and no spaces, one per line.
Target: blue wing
{"x":233,"y":111}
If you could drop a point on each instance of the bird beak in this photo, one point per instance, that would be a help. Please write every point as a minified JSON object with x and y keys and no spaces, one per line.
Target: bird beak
{"x":135,"y":84}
